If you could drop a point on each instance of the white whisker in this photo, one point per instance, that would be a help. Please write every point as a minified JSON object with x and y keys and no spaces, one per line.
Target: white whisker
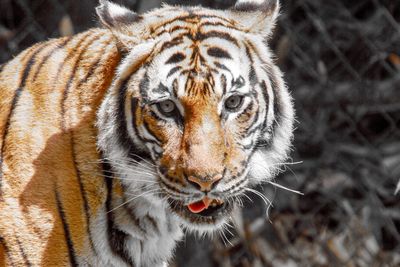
{"x":131,"y":199}
{"x":285,"y":188}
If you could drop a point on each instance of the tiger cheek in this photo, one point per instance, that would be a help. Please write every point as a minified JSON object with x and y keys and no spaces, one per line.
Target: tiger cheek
{"x":236,"y":160}
{"x":154,"y":127}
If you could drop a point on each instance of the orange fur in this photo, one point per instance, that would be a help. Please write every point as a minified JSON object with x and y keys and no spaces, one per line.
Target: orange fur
{"x":49,"y":146}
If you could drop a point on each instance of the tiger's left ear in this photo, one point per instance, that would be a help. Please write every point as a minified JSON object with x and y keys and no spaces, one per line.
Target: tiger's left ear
{"x":122,"y":22}
{"x":256,"y":16}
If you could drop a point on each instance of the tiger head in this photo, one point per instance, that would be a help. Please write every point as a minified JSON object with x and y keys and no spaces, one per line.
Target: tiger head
{"x":198,"y":111}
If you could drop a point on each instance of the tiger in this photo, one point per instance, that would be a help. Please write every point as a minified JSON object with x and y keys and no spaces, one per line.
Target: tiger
{"x":117,"y":140}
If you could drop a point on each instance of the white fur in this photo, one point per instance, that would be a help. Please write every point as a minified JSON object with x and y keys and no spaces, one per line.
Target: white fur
{"x":140,"y":181}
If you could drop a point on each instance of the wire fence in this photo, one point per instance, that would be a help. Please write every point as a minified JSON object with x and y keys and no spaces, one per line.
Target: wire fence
{"x":342,"y":63}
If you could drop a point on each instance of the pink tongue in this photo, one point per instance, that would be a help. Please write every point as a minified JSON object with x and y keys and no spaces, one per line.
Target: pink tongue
{"x":197,"y":207}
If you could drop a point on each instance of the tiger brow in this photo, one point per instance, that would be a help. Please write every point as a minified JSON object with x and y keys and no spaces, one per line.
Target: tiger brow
{"x":175,"y":58}
{"x":161,"y":89}
{"x":218,"y":52}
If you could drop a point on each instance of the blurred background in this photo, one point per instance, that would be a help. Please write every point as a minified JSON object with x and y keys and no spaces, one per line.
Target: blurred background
{"x":342,"y":64}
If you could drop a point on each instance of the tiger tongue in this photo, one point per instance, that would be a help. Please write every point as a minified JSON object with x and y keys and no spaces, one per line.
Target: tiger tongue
{"x":199,"y":206}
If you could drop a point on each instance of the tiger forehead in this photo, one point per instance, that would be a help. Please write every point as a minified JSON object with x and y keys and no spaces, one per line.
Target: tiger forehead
{"x":190,"y":20}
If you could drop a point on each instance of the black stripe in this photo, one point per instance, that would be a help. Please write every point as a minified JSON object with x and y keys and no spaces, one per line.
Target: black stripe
{"x":174,"y":42}
{"x":71,"y":78}
{"x":171,"y":186}
{"x":146,"y":126}
{"x":254,"y":121}
{"x":237,"y":184}
{"x":153,"y":223}
{"x":70,"y":246}
{"x":123,"y":137}
{"x":223,"y":84}
{"x":161,"y":89}
{"x":72,"y":143}
{"x":277,"y":101}
{"x":219,"y":24}
{"x":82,"y":192}
{"x":61,"y":66}
{"x":174,"y":29}
{"x":46,"y":57}
{"x":14,"y":102}
{"x":264,"y":91}
{"x":116,"y":237}
{"x":2,"y":67}
{"x":21,"y":250}
{"x":134,"y":107}
{"x":173,"y":70}
{"x":143,"y":86}
{"x":252,"y":73}
{"x":223,"y":67}
{"x":188,"y":17}
{"x":200,"y":36}
{"x":218,"y":52}
{"x":93,"y":67}
{"x":135,"y":220}
{"x":6,"y":249}
{"x":175,"y":58}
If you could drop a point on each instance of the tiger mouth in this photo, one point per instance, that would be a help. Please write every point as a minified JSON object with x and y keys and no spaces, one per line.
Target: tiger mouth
{"x":205,"y":211}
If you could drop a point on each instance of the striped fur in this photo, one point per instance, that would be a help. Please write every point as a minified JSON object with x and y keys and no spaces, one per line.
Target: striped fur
{"x":94,"y":173}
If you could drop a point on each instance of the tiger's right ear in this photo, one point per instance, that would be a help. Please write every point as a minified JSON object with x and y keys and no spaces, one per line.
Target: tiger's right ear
{"x":256,"y":16}
{"x":122,"y":22}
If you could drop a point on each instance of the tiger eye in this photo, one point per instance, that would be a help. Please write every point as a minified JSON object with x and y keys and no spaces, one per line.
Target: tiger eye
{"x":166,"y":107}
{"x":234,"y":102}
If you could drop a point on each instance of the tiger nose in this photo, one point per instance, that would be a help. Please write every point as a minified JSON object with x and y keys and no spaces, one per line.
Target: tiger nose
{"x":203,"y":184}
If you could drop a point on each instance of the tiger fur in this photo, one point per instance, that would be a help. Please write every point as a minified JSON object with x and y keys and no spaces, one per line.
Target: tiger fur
{"x":108,"y":137}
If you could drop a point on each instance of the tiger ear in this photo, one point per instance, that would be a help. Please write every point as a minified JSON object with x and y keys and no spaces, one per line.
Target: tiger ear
{"x":256,"y":16}
{"x":115,"y":16}
{"x":121,"y":21}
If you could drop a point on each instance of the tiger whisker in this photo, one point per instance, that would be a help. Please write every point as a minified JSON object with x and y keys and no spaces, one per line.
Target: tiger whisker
{"x":145,"y":160}
{"x":123,"y":163}
{"x":125,"y":166}
{"x":226,"y":238}
{"x":128,"y":179}
{"x":227,"y":229}
{"x":135,"y":171}
{"x":222,"y":238}
{"x":130,"y":192}
{"x":118,"y":174}
{"x":285,"y":188}
{"x":245,"y":195}
{"x":267,"y":202}
{"x":287,"y":163}
{"x":131,"y":199}
{"x":142,"y":164}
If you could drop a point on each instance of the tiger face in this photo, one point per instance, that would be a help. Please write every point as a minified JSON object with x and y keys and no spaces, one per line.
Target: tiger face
{"x":198,"y":111}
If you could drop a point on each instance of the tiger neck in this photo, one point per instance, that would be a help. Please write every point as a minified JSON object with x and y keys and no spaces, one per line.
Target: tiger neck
{"x":141,"y":231}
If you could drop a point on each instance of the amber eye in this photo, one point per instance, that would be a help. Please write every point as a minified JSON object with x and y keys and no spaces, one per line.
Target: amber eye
{"x":166,"y":107}
{"x":233,"y":103}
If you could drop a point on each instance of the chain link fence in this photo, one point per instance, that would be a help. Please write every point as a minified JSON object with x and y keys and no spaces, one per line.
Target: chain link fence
{"x":342,"y":63}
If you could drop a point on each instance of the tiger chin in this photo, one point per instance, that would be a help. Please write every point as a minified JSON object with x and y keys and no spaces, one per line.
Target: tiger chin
{"x":116,"y":139}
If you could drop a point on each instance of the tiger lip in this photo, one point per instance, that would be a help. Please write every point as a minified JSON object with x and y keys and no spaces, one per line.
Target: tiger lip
{"x":203,"y":204}
{"x":217,"y":209}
